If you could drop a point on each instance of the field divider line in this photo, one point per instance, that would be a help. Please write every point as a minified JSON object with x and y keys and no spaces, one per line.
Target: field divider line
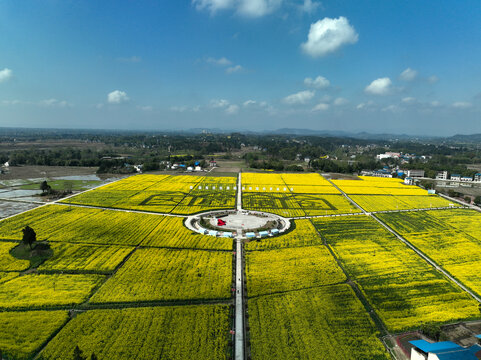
{"x":415,"y":249}
{"x":122,"y":305}
{"x":51,"y":337}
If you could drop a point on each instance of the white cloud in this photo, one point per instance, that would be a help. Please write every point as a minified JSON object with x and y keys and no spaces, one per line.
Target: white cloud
{"x":221,"y":61}
{"x":54,"y":103}
{"x":392,"y":108}
{"x":365,"y":105}
{"x":145,"y":108}
{"x":409,"y":100}
{"x":433,"y":79}
{"x":257,"y":8}
{"x":301,"y":97}
{"x":213,"y":5}
{"x":5,"y":75}
{"x":232,"y":109}
{"x":340,"y":101}
{"x":462,"y":105}
{"x":435,"y":103}
{"x":321,"y":107}
{"x":234,"y":69}
{"x":248,"y":8}
{"x":249,"y":103}
{"x":309,"y":6}
{"x":328,"y":35}
{"x":117,"y":97}
{"x":408,"y":75}
{"x":131,"y":59}
{"x":219,"y":103}
{"x":11,"y":102}
{"x":319,"y":82}
{"x":380,"y":86}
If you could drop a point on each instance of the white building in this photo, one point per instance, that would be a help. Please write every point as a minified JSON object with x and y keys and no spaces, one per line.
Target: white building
{"x":388,"y":155}
{"x":442,"y":175}
{"x":408,"y":181}
{"x":456,"y":177}
{"x":477,"y":177}
{"x":415,"y":173}
{"x":466,"y":178}
{"x":444,"y":350}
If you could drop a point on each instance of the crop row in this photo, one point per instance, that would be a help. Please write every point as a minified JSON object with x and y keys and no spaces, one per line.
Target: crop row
{"x":23,"y":333}
{"x":164,"y":274}
{"x":320,"y":323}
{"x":185,"y":332}
{"x":290,"y":269}
{"x":39,"y":290}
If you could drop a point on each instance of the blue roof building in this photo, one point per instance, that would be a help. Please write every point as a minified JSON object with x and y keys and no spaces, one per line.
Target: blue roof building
{"x":444,"y":350}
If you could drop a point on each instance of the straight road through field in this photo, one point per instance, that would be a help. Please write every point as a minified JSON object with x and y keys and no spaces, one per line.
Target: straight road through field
{"x":239,"y":300}
{"x":239,"y":305}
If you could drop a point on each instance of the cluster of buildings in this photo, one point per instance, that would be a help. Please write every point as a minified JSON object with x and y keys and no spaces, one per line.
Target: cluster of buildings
{"x":404,"y":158}
{"x":443,"y":175}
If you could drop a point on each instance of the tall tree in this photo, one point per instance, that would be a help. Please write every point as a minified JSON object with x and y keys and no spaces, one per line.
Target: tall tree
{"x":29,"y":236}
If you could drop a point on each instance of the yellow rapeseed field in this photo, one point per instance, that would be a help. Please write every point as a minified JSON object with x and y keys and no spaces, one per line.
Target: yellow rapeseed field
{"x":23,"y":333}
{"x":322,"y":323}
{"x":167,"y":332}
{"x":296,"y":268}
{"x":403,"y":288}
{"x":166,"y":274}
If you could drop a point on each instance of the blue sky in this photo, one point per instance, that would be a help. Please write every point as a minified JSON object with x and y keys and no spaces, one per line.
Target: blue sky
{"x":379,"y":66}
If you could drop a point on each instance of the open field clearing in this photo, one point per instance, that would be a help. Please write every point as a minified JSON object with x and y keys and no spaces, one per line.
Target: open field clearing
{"x":181,"y":194}
{"x":274,"y":271}
{"x":46,"y":290}
{"x":389,"y":202}
{"x":163,"y":274}
{"x":321,"y":323}
{"x":304,"y":234}
{"x":7,"y":261}
{"x":403,"y":289}
{"x":79,"y":257}
{"x":457,"y":251}
{"x":183,"y":333}
{"x":23,"y":333}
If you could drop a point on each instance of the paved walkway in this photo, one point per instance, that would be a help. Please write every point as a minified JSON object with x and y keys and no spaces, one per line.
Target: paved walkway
{"x":239,"y":287}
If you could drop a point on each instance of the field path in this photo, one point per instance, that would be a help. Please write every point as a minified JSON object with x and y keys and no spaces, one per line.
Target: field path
{"x":239,"y":288}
